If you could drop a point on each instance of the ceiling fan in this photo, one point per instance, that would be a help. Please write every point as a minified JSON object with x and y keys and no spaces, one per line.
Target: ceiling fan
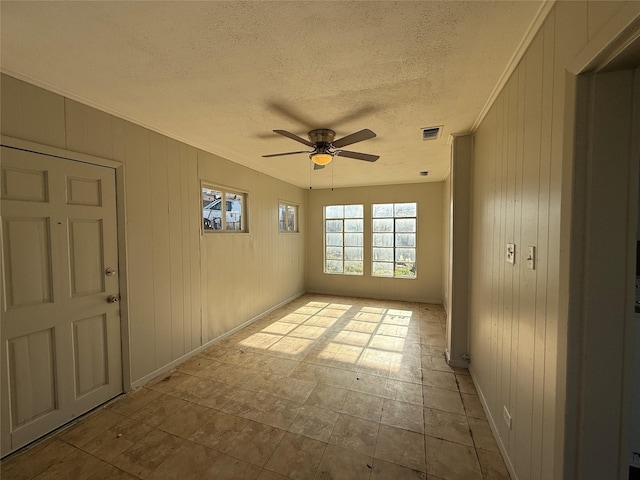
{"x":321,"y":140}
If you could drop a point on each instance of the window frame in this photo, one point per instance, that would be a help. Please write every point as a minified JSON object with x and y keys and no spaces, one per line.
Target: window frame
{"x":394,"y":247}
{"x":296,"y":221}
{"x":343,"y":246}
{"x":225,"y":191}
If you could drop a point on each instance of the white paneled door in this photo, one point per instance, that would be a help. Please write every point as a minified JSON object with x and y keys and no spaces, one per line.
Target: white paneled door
{"x":61,"y":353}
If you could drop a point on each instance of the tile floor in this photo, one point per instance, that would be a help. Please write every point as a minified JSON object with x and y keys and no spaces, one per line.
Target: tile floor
{"x":323,"y":388}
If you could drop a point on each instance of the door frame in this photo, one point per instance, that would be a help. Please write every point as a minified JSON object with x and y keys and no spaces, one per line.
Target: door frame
{"x":582,"y":224}
{"x":123,"y":284}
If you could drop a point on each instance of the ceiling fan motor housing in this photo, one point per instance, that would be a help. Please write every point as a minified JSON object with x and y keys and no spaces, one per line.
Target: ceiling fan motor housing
{"x":322,"y":136}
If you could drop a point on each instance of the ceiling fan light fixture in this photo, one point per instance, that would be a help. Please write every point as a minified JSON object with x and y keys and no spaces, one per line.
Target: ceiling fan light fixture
{"x":321,"y":158}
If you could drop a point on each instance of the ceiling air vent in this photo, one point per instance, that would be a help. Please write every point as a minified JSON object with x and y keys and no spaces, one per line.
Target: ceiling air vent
{"x":431,"y":133}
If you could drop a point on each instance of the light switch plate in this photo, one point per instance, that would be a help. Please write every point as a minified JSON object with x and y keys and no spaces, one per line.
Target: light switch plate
{"x":511,"y":252}
{"x":531,"y":257}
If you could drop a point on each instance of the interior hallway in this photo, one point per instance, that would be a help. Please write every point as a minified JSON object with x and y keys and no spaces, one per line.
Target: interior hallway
{"x":324,"y":387}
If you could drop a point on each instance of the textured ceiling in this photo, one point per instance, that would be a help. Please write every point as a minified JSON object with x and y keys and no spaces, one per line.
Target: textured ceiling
{"x":222,"y":75}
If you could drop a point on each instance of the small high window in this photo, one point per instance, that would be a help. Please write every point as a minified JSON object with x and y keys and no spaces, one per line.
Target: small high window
{"x":344,"y":235}
{"x":288,"y":217}
{"x":216,"y":201}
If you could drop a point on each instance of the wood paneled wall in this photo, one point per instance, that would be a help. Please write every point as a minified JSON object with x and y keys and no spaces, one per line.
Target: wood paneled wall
{"x":185,"y":288}
{"x":522,"y":150}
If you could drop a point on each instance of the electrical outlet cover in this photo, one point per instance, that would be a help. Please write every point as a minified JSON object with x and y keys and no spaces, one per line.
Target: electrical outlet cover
{"x":511,"y":252}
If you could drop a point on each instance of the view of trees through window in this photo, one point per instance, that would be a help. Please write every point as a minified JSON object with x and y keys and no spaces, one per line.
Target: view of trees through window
{"x":344,"y":235}
{"x":394,"y":240}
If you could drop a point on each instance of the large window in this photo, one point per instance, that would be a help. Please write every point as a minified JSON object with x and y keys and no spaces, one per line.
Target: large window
{"x":394,"y":240}
{"x":214,"y":202}
{"x":343,"y":239}
{"x":288,"y":217}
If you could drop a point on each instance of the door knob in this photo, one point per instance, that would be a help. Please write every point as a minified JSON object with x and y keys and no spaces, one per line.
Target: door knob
{"x":109,"y":272}
{"x":113,"y":298}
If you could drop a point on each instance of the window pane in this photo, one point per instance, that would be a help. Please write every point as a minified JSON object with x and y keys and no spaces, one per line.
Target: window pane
{"x":334,"y":211}
{"x":383,"y":225}
{"x":353,"y":239}
{"x":406,"y":225}
{"x":282,"y":219}
{"x":382,"y":269}
{"x":383,"y":239}
{"x":407,"y":255}
{"x":353,"y":253}
{"x":405,"y":239}
{"x":382,"y":210}
{"x":405,"y":271}
{"x":353,"y":268}
{"x":334,"y":253}
{"x":233,"y":211}
{"x":292,"y":218}
{"x":334,"y":239}
{"x":383,"y":254}
{"x":334,"y":225}
{"x":405,"y":209}
{"x":333,"y":266}
{"x":211,"y":207}
{"x":353,"y":211}
{"x":353,"y":225}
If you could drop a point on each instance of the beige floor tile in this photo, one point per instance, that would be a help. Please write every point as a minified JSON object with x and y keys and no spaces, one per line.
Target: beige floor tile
{"x":404,"y":391}
{"x":291,"y":388}
{"x":194,"y":365}
{"x":269,"y":475}
{"x":187,"y":420}
{"x":219,"y":431}
{"x":274,"y":411}
{"x":88,"y":428}
{"x":403,"y":415}
{"x":341,"y":464}
{"x":438,"y":379}
{"x":465,"y":383}
{"x":383,"y":470}
{"x":492,"y":465}
{"x":407,"y":373}
{"x":401,"y":447}
{"x":229,"y":468}
{"x":167,"y":382}
{"x":363,"y":405}
{"x":132,"y":402}
{"x":314,"y":422}
{"x":371,"y":384}
{"x":78,"y":465}
{"x":355,"y":434}
{"x":441,"y":399}
{"x":109,"y":472}
{"x":189,"y":461}
{"x":297,"y":457}
{"x":482,"y":435}
{"x":143,"y":457}
{"x":194,"y":389}
{"x":447,"y":426}
{"x":255,"y":444}
{"x":472,"y":406}
{"x":337,"y":377}
{"x":38,"y":458}
{"x":452,"y":461}
{"x":159,"y":409}
{"x":326,"y":396}
{"x":435,"y":362}
{"x":111,"y":443}
{"x":310,"y":372}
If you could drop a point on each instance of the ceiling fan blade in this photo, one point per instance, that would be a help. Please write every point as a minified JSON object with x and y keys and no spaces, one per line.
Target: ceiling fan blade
{"x":358,"y":156}
{"x":285,"y":153}
{"x":365,"y":134}
{"x":317,"y":167}
{"x":293,"y":136}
